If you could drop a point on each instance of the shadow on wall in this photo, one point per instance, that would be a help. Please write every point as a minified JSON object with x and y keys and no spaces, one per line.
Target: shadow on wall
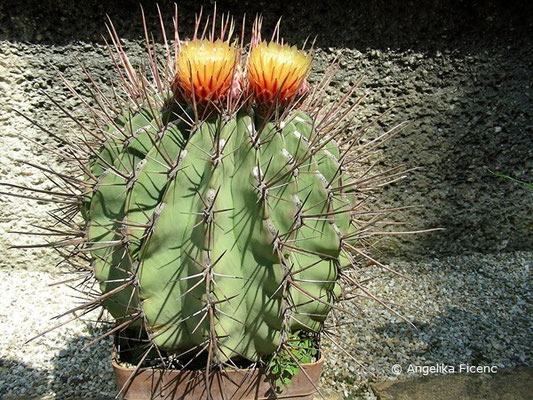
{"x":460,"y":71}
{"x":470,"y":117}
{"x":417,"y":25}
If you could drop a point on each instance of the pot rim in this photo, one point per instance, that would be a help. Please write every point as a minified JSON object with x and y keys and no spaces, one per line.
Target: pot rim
{"x":114,"y":362}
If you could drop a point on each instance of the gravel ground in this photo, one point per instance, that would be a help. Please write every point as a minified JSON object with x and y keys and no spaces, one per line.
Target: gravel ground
{"x":473,"y":309}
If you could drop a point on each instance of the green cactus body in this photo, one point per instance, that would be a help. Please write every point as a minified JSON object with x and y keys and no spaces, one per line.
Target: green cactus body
{"x":231,"y":229}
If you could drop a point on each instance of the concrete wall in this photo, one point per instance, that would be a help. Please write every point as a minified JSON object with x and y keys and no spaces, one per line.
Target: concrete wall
{"x":460,"y":72}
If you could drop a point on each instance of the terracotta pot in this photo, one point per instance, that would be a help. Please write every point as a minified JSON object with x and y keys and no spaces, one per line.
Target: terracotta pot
{"x":245,"y":384}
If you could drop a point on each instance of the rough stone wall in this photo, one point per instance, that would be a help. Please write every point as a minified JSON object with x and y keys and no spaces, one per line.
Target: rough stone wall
{"x":460,"y":72}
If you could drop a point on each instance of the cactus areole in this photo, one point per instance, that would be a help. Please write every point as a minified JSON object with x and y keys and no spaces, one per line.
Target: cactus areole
{"x":218,"y":218}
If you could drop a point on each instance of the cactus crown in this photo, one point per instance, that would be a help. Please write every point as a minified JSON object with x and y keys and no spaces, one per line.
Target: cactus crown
{"x":217,"y":215}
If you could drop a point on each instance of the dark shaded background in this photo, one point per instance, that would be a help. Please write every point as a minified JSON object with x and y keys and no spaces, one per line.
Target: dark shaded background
{"x":416,"y":25}
{"x":460,"y":71}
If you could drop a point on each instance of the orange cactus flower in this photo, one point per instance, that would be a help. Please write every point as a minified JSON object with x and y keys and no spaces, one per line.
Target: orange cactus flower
{"x":277,"y":72}
{"x":205,"y":70}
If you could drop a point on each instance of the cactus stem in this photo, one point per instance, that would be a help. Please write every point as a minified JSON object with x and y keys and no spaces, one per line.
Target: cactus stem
{"x":278,"y":186}
{"x":86,"y":170}
{"x":116,"y":267}
{"x":209,"y":156}
{"x":116,"y":150}
{"x":271,"y":182}
{"x":194,"y":260}
{"x":137,"y":225}
{"x":256,"y":136}
{"x":312,"y":280}
{"x":173,"y":171}
{"x":189,"y":291}
{"x":231,"y":317}
{"x":108,"y":165}
{"x":149,"y":102}
{"x":271,"y":196}
{"x":306,"y":251}
{"x":232,"y":350}
{"x":283,"y":285}
{"x":225,"y":299}
{"x":307,"y":314}
{"x":201,"y":274}
{"x":306,"y":293}
{"x":230,"y":276}
{"x":337,"y":177}
{"x":306,"y":267}
{"x":194,"y":314}
{"x":199,"y":323}
{"x":161,"y":150}
{"x":312,"y":228}
{"x":326,"y":214}
{"x":297,"y":220}
{"x":115,"y":280}
{"x":301,"y":239}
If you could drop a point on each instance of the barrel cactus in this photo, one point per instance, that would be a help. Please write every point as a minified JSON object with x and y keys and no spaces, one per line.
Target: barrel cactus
{"x":217,"y":214}
{"x":224,"y":232}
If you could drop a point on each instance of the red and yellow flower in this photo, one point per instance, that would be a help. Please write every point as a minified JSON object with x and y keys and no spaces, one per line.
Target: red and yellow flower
{"x":206,"y":70}
{"x":277,"y":73}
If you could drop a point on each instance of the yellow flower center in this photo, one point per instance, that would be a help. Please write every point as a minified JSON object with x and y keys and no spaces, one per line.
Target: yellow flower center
{"x":205,"y":69}
{"x":275,"y":71}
